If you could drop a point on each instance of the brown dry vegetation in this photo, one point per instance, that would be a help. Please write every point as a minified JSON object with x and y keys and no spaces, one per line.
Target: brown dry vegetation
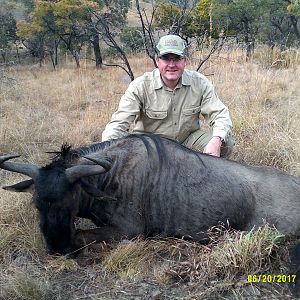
{"x":41,"y":108}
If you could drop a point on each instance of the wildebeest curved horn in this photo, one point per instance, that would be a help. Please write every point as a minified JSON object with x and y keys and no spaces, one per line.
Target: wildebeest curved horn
{"x":101,"y":162}
{"x":22,"y":168}
{"x":76,"y":172}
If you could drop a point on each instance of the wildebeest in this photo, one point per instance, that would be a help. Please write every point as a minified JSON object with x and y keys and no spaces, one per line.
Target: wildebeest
{"x":147,"y":185}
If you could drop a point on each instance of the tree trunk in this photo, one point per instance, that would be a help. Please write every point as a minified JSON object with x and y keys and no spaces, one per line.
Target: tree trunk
{"x":56,"y":43}
{"x":294,"y":21}
{"x":97,"y":51}
{"x":52,"y":60}
{"x":76,"y":57}
{"x":210,"y":24}
{"x":18,"y":54}
{"x":3,"y":54}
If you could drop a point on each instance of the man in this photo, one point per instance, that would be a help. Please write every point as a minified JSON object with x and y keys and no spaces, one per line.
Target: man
{"x":169,"y":100}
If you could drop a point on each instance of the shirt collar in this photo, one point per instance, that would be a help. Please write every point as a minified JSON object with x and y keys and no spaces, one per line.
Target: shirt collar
{"x":158,"y":83}
{"x":186,"y":79}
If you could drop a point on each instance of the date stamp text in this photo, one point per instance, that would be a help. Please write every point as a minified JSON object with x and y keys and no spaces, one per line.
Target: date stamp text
{"x":270,"y":278}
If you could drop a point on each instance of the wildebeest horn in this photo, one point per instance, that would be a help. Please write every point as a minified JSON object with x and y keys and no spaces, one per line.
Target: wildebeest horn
{"x":76,"y":172}
{"x":101,"y":162}
{"x":26,"y":169}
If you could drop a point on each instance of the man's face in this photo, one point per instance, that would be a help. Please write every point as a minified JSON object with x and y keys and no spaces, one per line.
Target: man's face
{"x":171,"y":67}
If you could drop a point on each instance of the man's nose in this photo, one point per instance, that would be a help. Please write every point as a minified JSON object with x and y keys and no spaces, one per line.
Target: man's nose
{"x":172,"y":62}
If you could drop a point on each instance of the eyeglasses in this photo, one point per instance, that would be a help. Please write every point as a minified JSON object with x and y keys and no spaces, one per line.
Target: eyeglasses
{"x":174,"y":59}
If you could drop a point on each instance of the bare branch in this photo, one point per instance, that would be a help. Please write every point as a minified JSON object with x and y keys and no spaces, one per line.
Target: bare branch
{"x":109,"y":39}
{"x":147,"y":31}
{"x":216,"y":47}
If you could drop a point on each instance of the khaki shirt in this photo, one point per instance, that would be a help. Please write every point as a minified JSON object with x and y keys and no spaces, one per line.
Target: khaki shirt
{"x":154,"y":108}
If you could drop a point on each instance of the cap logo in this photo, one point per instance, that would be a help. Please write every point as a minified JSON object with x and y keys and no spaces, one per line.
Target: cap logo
{"x":171,"y":43}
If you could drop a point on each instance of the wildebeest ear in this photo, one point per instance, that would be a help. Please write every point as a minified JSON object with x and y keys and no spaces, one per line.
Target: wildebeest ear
{"x":23,"y":186}
{"x":94,"y":192}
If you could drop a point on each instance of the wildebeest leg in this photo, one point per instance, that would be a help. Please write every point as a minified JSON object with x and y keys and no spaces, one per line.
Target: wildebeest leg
{"x":101,"y":234}
{"x":295,"y":270}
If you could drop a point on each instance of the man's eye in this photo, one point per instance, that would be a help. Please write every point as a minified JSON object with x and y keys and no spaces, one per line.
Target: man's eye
{"x":175,"y":59}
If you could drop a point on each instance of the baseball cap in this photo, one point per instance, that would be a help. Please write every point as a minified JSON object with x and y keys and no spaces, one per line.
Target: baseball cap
{"x":171,"y":44}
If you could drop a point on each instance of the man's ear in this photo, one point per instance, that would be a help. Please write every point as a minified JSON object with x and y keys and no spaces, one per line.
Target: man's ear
{"x":26,"y":186}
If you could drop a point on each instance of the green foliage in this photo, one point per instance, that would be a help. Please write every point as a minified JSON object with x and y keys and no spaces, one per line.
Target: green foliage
{"x":71,"y":23}
{"x":132,"y":39}
{"x":268,"y":21}
{"x":57,"y":18}
{"x":167,"y":15}
{"x":172,"y":18}
{"x":110,"y":54}
{"x":58,"y":21}
{"x":7,"y":29}
{"x":27,"y":4}
{"x":240,"y":16}
{"x":294,"y":8}
{"x":202,"y":18}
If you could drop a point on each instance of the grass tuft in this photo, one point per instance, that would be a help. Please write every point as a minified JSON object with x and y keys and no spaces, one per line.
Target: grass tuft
{"x":228,"y":258}
{"x":132,"y":258}
{"x":22,"y":285}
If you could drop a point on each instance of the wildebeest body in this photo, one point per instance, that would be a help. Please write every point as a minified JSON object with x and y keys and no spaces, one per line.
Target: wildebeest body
{"x":153,"y":186}
{"x":172,"y":191}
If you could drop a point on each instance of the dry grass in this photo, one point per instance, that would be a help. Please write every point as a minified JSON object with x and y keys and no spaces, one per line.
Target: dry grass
{"x":41,"y":108}
{"x":132,"y":258}
{"x":229,"y":256}
{"x":209,"y":270}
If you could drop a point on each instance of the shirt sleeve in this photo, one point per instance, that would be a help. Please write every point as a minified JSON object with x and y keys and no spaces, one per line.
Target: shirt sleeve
{"x":215,"y":112}
{"x":129,"y":108}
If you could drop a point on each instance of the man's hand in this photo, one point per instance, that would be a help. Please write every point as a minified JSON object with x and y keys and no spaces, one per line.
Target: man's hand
{"x":213,"y":147}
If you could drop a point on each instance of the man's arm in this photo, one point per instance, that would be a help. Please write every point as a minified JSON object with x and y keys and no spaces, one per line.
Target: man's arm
{"x":129,"y":108}
{"x":218,"y":118}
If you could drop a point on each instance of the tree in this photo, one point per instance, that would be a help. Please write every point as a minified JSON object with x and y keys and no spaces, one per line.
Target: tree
{"x":178,"y":18}
{"x":108,"y":23}
{"x":7,"y":32}
{"x":105,"y":28}
{"x":190,"y":22}
{"x":57,"y":22}
{"x":240,"y":18}
{"x":294,"y":7}
{"x":74,"y":23}
{"x":147,"y":30}
{"x":132,"y":39}
{"x":271,"y":21}
{"x":294,"y":12}
{"x":275,"y":27}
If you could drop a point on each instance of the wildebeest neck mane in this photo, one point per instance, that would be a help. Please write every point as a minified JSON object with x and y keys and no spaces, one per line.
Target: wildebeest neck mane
{"x":70,"y":155}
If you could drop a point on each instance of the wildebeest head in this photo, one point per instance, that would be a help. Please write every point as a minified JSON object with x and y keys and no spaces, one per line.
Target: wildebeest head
{"x":54,"y":189}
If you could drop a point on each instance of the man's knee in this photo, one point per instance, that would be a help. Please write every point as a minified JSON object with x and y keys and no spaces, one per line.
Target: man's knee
{"x":227,"y":147}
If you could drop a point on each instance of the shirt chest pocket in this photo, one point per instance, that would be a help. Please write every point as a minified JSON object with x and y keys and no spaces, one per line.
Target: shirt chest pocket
{"x":189,"y":111}
{"x":156,"y":114}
